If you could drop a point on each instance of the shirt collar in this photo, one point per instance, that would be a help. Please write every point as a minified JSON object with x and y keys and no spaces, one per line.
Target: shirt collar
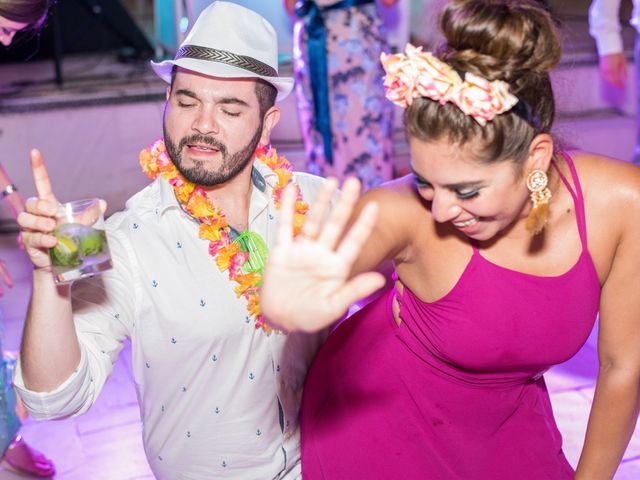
{"x":264,"y":180}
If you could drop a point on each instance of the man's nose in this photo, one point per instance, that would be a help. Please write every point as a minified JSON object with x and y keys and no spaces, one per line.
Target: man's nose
{"x":206,"y":122}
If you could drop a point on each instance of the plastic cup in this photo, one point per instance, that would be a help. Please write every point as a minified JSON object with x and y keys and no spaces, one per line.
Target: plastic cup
{"x":82,"y":249}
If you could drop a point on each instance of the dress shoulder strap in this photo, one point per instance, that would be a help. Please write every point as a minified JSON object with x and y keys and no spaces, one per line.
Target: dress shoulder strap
{"x":576,"y":193}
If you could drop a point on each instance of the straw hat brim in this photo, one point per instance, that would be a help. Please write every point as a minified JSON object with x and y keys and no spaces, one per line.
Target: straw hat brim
{"x":283,"y":85}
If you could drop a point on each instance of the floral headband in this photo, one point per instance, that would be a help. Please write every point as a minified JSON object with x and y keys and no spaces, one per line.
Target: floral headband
{"x":419,"y":74}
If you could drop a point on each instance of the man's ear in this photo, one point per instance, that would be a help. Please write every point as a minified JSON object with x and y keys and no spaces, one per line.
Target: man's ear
{"x":270,"y":120}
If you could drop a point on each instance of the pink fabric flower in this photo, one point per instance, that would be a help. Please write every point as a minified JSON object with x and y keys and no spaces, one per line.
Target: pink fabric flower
{"x":483,"y":100}
{"x":420,"y":74}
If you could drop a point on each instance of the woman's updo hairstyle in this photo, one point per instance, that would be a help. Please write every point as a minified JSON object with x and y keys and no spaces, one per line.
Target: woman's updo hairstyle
{"x":510,"y":40}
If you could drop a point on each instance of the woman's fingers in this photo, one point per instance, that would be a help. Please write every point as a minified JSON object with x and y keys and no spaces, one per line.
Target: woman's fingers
{"x":357,"y":288}
{"x":351,"y":245}
{"x":319,"y":210}
{"x":341,"y":214}
{"x":285,"y":220}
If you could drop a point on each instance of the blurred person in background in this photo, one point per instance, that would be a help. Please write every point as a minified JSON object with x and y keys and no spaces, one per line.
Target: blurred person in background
{"x":346,"y":124}
{"x":16,"y":15}
{"x":605,"y":28}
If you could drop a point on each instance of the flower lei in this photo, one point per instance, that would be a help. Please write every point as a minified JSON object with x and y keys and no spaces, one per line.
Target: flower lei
{"x":228,"y":255}
{"x":420,"y":74}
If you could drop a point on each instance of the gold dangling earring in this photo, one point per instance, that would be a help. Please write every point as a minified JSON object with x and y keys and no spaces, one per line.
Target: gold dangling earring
{"x":537,"y":182}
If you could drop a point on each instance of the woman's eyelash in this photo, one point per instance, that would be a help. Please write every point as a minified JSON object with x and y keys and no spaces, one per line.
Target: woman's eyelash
{"x":467,"y":195}
{"x":462,"y":194}
{"x":421,"y":182}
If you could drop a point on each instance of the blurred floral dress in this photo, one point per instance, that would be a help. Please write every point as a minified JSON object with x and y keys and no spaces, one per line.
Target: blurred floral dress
{"x":9,"y":421}
{"x":361,"y":116}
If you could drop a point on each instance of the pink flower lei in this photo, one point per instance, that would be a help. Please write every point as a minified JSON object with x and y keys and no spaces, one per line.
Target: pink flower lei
{"x":227,"y":254}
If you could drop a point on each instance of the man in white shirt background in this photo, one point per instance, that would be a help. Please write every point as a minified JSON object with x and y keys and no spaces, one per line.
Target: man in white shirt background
{"x":219,"y":393}
{"x":606,"y":29}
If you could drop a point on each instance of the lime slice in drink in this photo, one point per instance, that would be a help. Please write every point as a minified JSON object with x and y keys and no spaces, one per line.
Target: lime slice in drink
{"x":65,"y":253}
{"x":90,"y":242}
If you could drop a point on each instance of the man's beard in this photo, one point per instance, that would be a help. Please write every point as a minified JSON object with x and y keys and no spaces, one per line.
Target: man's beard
{"x":231,"y":166}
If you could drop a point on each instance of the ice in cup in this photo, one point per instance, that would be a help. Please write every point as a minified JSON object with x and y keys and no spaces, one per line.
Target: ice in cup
{"x":82,"y":249}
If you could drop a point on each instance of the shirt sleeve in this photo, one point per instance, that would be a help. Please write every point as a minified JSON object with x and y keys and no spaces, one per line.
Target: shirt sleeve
{"x":104,"y":311}
{"x":604,"y":26}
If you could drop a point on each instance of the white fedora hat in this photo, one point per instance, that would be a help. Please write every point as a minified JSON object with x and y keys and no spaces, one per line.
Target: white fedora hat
{"x":230,"y":41}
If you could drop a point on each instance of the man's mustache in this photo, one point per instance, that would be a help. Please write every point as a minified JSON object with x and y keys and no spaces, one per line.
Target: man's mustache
{"x":203,"y":139}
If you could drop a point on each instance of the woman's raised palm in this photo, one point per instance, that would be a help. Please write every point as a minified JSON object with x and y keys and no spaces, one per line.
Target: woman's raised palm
{"x":307,"y":282}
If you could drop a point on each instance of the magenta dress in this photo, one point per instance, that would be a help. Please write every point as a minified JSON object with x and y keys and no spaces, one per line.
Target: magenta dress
{"x":456,"y":391}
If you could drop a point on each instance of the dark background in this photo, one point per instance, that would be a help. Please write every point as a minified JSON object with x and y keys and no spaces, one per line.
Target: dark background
{"x":81,"y":26}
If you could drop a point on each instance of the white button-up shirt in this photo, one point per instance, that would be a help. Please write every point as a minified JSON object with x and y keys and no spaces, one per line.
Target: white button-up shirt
{"x":218,"y":397}
{"x":604,"y":24}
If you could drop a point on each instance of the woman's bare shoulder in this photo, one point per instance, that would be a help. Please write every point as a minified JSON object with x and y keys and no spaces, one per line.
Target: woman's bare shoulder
{"x":402,"y":216}
{"x":398,"y":201}
{"x":611,"y":190}
{"x":608,"y":181}
{"x":400,"y":191}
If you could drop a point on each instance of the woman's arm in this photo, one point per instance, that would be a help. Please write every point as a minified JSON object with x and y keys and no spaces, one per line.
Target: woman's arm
{"x":615,"y":405}
{"x":393,"y":230}
{"x":13,"y":199}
